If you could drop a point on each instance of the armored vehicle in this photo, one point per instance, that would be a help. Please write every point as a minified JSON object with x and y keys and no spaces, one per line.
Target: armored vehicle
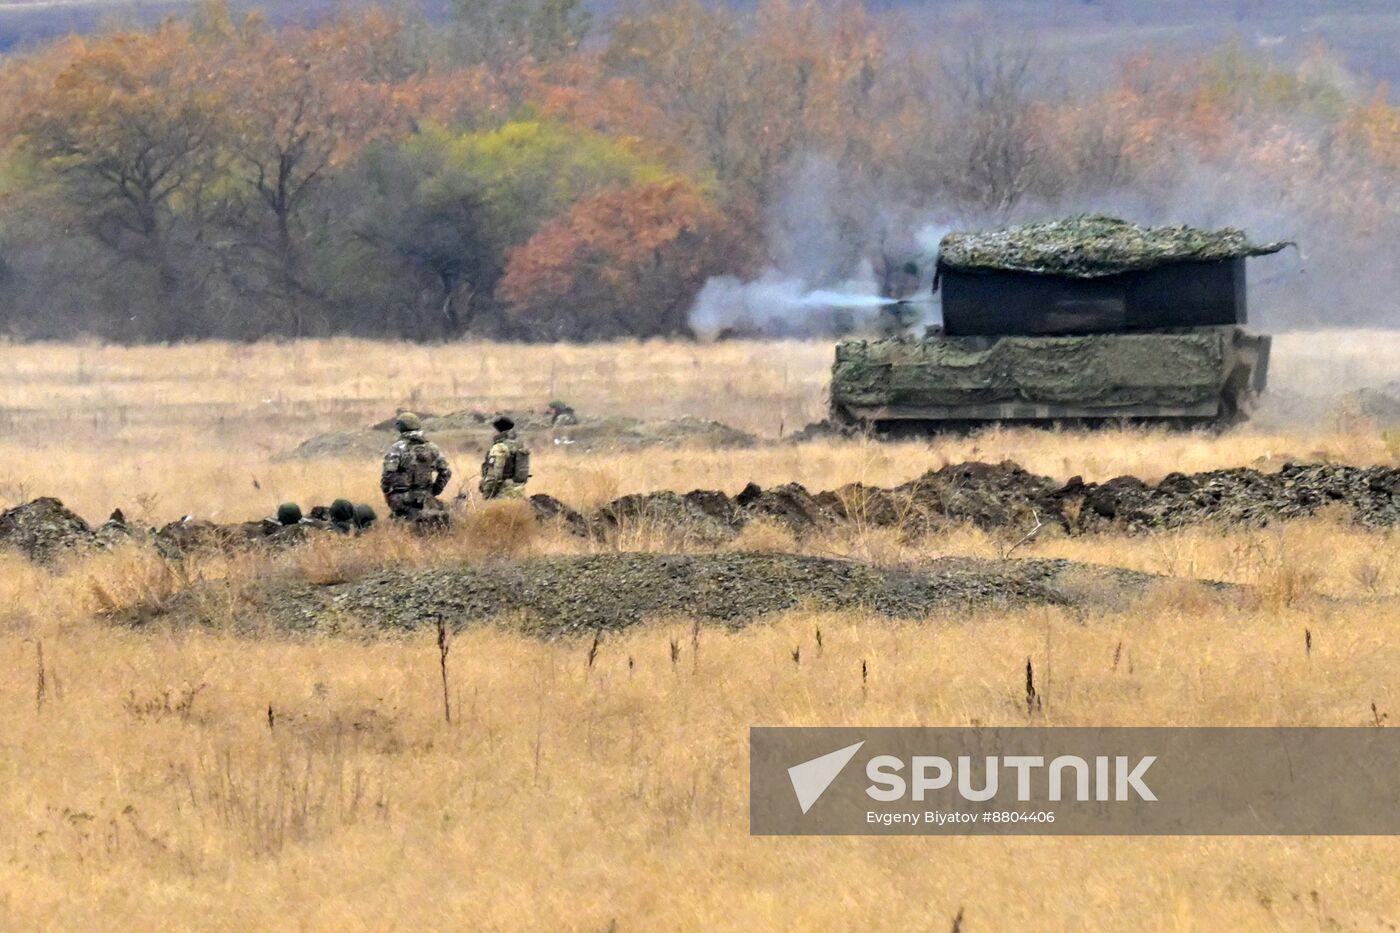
{"x":1081,"y":320}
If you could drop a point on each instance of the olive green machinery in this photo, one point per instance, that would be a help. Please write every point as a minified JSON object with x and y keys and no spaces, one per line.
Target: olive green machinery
{"x":1086,"y":319}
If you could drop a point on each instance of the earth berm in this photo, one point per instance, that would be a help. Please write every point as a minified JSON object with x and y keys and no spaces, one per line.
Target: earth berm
{"x":561,"y":595}
{"x":987,"y":495}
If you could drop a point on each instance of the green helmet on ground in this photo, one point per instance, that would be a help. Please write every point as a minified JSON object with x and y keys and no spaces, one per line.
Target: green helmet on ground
{"x":408,"y":421}
{"x":342,"y":510}
{"x":364,"y":516}
{"x":288,"y":513}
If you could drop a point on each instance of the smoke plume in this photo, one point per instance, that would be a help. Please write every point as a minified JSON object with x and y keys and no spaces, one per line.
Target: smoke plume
{"x":838,"y":255}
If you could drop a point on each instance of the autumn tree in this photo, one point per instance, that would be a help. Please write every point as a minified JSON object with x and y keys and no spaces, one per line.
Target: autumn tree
{"x":127,"y":123}
{"x":301,"y":104}
{"x":625,"y":262}
{"x":445,"y":208}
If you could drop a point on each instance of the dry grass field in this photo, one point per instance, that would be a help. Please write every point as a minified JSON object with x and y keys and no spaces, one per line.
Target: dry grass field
{"x":208,"y":778}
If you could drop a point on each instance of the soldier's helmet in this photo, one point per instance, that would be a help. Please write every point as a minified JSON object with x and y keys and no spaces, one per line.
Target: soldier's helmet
{"x":288,"y":513}
{"x":558,"y":405}
{"x":342,"y":510}
{"x":364,"y":516}
{"x":502,"y":423}
{"x":408,"y":421}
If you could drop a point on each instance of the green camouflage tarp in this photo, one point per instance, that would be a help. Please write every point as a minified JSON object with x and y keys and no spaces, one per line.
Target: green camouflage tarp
{"x":1101,"y":371}
{"x":1092,"y":246}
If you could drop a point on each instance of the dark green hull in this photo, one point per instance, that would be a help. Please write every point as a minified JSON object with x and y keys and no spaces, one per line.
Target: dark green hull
{"x":1202,"y":374}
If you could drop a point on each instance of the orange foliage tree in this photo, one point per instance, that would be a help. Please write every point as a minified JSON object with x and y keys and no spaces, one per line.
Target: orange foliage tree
{"x":128,"y":121}
{"x":302,"y":103}
{"x":123,"y":130}
{"x":627,"y":261}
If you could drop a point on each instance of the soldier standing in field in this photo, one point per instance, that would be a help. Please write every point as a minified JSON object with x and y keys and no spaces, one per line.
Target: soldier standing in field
{"x":415,"y":472}
{"x":507,"y":464}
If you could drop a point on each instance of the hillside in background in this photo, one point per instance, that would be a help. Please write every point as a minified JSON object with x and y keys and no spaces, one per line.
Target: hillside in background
{"x":1363,"y":33}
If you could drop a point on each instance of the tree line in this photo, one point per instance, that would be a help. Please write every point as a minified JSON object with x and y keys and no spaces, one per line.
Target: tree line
{"x":521,"y":171}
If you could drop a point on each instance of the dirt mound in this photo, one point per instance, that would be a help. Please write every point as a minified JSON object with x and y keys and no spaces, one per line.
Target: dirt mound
{"x":1003,"y":495}
{"x":702,"y":516}
{"x":562,"y":595}
{"x":366,"y":445}
{"x":44,"y":529}
{"x":190,"y":535}
{"x":1238,"y":497}
{"x":470,"y":431}
{"x":987,"y":495}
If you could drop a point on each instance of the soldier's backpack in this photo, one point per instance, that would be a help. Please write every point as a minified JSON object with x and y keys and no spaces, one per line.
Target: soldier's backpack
{"x":422,"y":465}
{"x":519,"y":472}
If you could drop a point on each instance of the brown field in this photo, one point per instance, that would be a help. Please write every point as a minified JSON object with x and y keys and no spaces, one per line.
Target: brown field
{"x":143,"y":787}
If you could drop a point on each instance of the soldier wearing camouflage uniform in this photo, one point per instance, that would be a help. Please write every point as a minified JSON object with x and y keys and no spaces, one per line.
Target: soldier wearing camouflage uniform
{"x":561,"y":414}
{"x":498,"y":470}
{"x":415,"y":472}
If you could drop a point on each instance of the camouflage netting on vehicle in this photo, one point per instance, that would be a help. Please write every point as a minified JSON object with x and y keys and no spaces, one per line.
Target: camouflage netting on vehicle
{"x":1102,"y":370}
{"x":1092,"y":246}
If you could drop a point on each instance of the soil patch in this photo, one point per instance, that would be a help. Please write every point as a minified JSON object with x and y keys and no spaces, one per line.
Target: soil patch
{"x":561,"y":595}
{"x":1003,"y":495}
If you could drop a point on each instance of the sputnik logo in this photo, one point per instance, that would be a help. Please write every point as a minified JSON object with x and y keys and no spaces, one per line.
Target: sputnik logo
{"x":811,"y":778}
